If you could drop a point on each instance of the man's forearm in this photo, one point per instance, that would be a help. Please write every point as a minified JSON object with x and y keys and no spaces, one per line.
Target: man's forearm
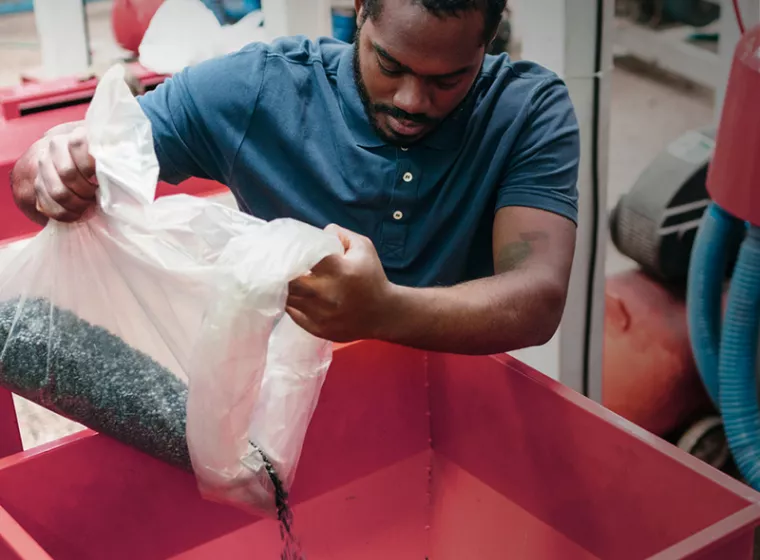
{"x":493,"y":315}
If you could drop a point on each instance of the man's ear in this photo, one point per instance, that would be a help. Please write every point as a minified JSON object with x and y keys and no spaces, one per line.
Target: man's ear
{"x":359,"y":7}
{"x":495,"y":34}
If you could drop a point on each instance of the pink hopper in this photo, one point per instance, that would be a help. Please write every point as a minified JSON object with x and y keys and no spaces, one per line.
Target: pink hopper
{"x":410,"y":455}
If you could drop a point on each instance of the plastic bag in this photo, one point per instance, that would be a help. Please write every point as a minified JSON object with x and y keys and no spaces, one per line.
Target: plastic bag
{"x":161,"y":322}
{"x":186,"y":32}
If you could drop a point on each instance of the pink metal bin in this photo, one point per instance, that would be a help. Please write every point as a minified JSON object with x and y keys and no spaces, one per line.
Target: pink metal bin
{"x":410,"y":455}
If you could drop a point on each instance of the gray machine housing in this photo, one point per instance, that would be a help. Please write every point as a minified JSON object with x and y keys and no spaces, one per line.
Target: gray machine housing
{"x":656,"y":222}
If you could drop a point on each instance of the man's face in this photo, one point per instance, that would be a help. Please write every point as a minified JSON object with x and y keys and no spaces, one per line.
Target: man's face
{"x":414,"y":68}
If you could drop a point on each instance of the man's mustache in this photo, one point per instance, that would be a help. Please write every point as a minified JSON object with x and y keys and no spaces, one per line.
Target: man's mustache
{"x":397,"y":113}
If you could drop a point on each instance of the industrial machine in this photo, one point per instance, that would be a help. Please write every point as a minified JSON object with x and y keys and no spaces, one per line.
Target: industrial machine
{"x":409,"y":455}
{"x":656,"y":221}
{"x":726,"y":345}
{"x":690,"y":222}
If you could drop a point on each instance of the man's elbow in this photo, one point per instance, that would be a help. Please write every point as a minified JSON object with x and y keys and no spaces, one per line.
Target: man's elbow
{"x":548,"y":312}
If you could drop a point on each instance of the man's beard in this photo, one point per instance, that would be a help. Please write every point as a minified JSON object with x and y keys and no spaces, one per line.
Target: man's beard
{"x":372,"y":110}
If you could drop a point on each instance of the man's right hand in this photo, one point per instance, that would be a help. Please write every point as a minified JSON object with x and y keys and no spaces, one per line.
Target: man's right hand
{"x":56,"y":177}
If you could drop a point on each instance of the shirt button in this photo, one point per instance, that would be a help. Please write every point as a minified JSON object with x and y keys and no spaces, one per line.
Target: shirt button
{"x":408,"y":177}
{"x":398,"y":214}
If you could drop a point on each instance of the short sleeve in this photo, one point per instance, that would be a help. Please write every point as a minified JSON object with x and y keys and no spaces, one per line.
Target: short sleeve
{"x":542,"y":169}
{"x":200,"y":115}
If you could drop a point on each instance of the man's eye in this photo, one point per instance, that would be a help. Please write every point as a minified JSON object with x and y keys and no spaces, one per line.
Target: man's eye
{"x":387,"y":71}
{"x":446,"y":84}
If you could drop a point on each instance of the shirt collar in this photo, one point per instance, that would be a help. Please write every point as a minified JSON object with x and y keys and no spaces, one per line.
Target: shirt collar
{"x":447,"y":136}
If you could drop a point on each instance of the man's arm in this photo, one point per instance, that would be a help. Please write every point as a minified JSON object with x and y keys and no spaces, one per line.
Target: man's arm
{"x":348,"y":298}
{"x":55,"y":178}
{"x":197,"y":128}
{"x":520,"y":306}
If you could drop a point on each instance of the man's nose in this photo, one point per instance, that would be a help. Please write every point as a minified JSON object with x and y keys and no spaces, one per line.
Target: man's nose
{"x":412,"y":96}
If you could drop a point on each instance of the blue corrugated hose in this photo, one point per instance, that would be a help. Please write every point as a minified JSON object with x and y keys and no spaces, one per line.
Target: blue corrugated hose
{"x":738,"y":361}
{"x":707,"y":271}
{"x":727,"y":357}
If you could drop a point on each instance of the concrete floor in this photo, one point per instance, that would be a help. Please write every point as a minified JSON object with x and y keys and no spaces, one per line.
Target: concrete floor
{"x":648,"y":111}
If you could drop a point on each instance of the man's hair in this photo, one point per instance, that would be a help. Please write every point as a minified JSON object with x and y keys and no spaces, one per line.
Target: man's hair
{"x":492,"y":10}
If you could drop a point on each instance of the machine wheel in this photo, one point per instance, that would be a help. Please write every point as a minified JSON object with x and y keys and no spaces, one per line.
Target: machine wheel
{"x":707,"y":441}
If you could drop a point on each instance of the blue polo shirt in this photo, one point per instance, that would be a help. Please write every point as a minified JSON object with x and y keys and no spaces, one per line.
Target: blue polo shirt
{"x":283,"y":126}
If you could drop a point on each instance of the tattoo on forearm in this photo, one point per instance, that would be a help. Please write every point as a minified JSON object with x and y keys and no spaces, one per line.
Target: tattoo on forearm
{"x":515,"y":253}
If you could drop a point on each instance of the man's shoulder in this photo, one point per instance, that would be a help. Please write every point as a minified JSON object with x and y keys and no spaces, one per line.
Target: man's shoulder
{"x":504,"y":80}
{"x":514,"y":94}
{"x":299,"y":50}
{"x":502,"y":64}
{"x":285,"y":64}
{"x":257,"y":61}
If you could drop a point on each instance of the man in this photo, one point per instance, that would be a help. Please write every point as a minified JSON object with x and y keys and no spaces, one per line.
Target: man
{"x":453,"y":173}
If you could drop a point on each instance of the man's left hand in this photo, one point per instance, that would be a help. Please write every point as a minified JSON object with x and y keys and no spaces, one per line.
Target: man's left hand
{"x":344,"y":298}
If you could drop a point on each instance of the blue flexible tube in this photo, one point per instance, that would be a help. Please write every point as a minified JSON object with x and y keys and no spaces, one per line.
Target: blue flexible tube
{"x":738,"y":361}
{"x":707,"y":271}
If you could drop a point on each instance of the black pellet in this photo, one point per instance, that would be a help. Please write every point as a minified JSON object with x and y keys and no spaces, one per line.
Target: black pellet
{"x":91,"y":376}
{"x":291,"y":547}
{"x":87,"y":374}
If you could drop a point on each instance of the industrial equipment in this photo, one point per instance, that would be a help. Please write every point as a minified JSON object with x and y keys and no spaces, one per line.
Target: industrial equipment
{"x":410,"y":455}
{"x":649,"y":376}
{"x":698,"y":183}
{"x":656,"y":221}
{"x":725,"y":345}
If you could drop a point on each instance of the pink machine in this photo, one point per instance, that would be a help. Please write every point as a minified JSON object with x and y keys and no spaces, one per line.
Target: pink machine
{"x":410,"y":455}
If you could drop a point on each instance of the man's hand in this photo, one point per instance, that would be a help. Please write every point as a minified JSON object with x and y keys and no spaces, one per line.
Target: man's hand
{"x":344,"y":298}
{"x":56,"y":177}
{"x":350,"y":298}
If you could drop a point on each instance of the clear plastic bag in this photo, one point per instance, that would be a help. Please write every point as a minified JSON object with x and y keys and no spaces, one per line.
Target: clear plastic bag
{"x":167,"y":48}
{"x":161,"y":323}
